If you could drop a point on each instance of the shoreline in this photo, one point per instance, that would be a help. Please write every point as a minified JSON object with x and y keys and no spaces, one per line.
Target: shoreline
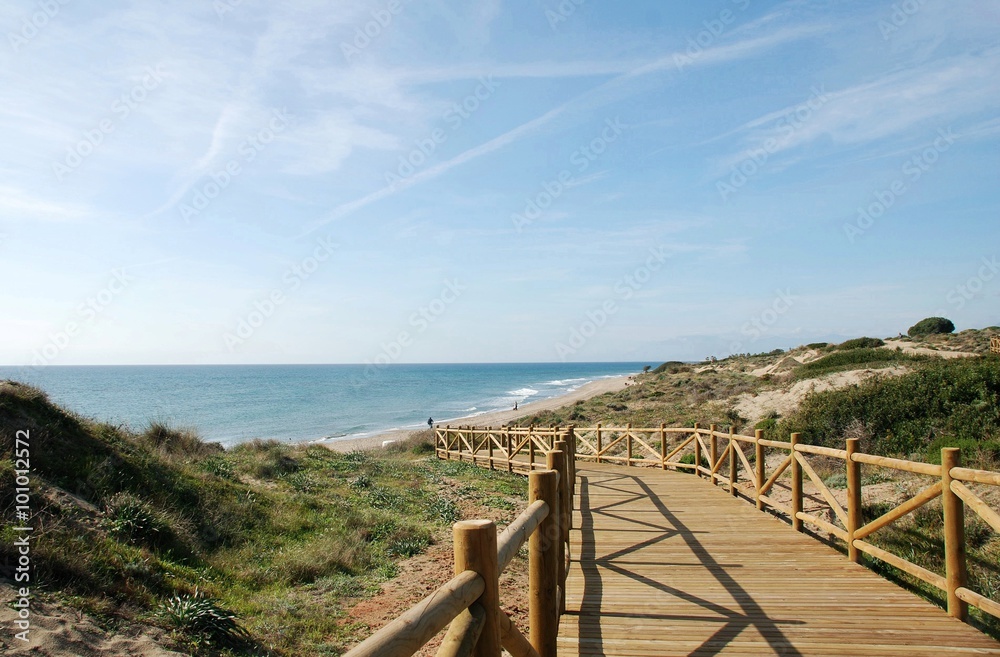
{"x":490,"y":419}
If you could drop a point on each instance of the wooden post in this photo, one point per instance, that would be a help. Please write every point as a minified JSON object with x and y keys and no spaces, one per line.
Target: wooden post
{"x":954,"y":535}
{"x":476,"y":550}
{"x":628,"y":444}
{"x":489,"y":441}
{"x":713,"y":451}
{"x":697,"y":451}
{"x":556,"y":460}
{"x":571,"y":442}
{"x":447,"y":442}
{"x":531,"y":449}
{"x":663,"y":447}
{"x":759,"y":465}
{"x":732,"y":463}
{"x":510,"y":467}
{"x":543,"y":564}
{"x":853,"y":499}
{"x":571,"y":458}
{"x":566,"y":486}
{"x":796,"y":485}
{"x":598,"y":459}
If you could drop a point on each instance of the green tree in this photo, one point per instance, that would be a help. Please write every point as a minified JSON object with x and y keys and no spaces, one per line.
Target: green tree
{"x":930,"y":326}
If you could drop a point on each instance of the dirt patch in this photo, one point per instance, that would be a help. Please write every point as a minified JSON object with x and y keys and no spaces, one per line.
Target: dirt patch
{"x":421,"y":575}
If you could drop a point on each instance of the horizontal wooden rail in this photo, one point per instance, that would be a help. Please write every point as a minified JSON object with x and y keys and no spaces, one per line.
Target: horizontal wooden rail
{"x":470,"y":601}
{"x":719,"y":457}
{"x":408,"y":633}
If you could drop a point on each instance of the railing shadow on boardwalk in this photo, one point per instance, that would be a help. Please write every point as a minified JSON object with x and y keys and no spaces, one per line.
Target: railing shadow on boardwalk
{"x":733,"y":622}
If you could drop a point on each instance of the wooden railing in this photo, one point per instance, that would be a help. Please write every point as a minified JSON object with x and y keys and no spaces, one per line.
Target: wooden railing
{"x":995,"y":344}
{"x":722,"y":457}
{"x":470,"y":602}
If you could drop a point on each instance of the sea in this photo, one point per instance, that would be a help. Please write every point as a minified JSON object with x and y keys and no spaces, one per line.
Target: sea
{"x":230,"y":404}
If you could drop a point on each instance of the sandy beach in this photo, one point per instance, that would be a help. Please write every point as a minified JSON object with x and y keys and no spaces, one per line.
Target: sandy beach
{"x":493,"y":419}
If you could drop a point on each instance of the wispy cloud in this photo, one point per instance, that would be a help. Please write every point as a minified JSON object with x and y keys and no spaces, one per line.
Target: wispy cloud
{"x":603,"y":94}
{"x":935,"y":94}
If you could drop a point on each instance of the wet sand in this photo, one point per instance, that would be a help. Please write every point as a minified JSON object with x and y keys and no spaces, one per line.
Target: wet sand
{"x":493,"y":419}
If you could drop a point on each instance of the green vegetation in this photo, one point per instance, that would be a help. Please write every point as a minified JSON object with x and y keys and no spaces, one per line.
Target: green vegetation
{"x":941,"y":403}
{"x":854,"y":359}
{"x":931,"y":326}
{"x":861,"y":343}
{"x":675,"y":395}
{"x":919,"y":538}
{"x":263,"y":545}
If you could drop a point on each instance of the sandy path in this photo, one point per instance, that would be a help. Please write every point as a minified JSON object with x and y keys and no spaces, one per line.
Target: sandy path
{"x":494,"y":419}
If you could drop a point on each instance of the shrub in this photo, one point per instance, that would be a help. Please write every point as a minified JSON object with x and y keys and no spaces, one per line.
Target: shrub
{"x":852,"y":359}
{"x":950,"y":400}
{"x":671,"y":367}
{"x":930,"y":326}
{"x":689,"y":459}
{"x":133,"y":521}
{"x":202,"y":621}
{"x":861,"y":343}
{"x":817,"y":345}
{"x":168,"y":440}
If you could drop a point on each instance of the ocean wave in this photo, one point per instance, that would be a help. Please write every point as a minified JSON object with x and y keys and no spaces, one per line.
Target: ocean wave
{"x":564,"y":382}
{"x":523,"y":392}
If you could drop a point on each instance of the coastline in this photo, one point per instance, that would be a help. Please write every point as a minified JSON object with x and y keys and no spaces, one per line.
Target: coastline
{"x":491,"y":419}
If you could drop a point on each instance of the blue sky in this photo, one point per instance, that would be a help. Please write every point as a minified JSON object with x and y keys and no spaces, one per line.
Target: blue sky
{"x":304,"y":181}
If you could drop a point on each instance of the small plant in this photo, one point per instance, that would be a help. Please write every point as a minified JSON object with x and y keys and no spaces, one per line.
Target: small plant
{"x":361,"y":482}
{"x":838,"y":480}
{"x":220,"y":467}
{"x":443,"y":510}
{"x":133,"y":521}
{"x":300,"y":482}
{"x":203,"y":621}
{"x":407,"y":546}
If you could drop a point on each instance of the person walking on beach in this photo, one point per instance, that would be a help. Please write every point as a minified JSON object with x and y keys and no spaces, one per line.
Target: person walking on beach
{"x":430,"y":422}
{"x":515,"y":406}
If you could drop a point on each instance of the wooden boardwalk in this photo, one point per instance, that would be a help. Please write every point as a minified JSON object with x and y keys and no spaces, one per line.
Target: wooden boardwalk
{"x":665,"y":564}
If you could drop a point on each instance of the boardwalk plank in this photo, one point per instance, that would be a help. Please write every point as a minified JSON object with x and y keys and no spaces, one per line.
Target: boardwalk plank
{"x":666,"y":564}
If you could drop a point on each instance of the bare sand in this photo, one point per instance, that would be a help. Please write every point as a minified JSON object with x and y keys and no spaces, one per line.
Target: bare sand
{"x":494,"y":419}
{"x":784,"y":401}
